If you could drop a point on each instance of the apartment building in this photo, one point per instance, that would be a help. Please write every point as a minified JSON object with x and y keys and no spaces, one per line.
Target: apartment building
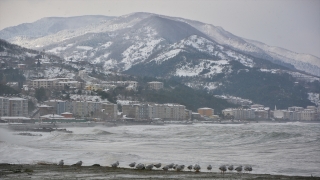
{"x":137,"y":111}
{"x":105,"y":110}
{"x":246,"y":114}
{"x":45,"y":83}
{"x":59,"y":106}
{"x":308,"y":114}
{"x":167,"y":111}
{"x":56,"y":83}
{"x":4,"y":106}
{"x":155,"y":85}
{"x":109,"y":110}
{"x":152,"y":111}
{"x":13,"y":106}
{"x":206,"y":111}
{"x":85,"y":108}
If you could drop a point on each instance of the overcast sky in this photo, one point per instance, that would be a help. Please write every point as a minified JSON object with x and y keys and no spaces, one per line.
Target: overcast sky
{"x":291,"y":24}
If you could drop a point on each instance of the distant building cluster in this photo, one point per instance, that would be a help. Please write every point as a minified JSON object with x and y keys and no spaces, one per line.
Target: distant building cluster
{"x":259,"y":112}
{"x":298,"y":113}
{"x":256,"y":111}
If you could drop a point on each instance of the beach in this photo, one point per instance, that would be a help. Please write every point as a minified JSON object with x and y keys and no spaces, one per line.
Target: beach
{"x":69,"y":172}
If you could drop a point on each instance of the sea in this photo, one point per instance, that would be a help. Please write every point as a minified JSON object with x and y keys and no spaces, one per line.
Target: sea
{"x":291,"y":148}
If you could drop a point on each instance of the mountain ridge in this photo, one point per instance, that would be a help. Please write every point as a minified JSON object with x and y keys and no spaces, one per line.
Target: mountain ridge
{"x":303,"y":62}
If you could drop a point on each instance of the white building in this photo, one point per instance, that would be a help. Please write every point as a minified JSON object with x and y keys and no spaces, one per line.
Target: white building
{"x":57,"y":83}
{"x":155,"y":85}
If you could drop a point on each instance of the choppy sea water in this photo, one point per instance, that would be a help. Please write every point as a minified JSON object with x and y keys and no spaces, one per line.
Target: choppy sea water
{"x":270,"y":148}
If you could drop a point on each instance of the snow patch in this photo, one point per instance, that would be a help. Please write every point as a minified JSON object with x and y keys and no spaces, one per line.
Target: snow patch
{"x":84,"y":47}
{"x":77,"y":97}
{"x":207,"y":67}
{"x":314,"y":98}
{"x":167,"y":55}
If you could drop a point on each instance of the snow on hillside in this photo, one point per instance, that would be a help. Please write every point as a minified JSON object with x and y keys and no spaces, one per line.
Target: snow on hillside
{"x":241,"y":58}
{"x":57,"y":50}
{"x":106,"y":45}
{"x":221,"y":36}
{"x":105,"y":26}
{"x":167,"y":55}
{"x":315,"y":98}
{"x":304,"y":62}
{"x":141,"y":49}
{"x":52,"y":72}
{"x":77,"y":97}
{"x":109,"y":64}
{"x":277,"y":51}
{"x":207,"y":67}
{"x":273,"y":71}
{"x":84,"y":47}
{"x":100,"y":59}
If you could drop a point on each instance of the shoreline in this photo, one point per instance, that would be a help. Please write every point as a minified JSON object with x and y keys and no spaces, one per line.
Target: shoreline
{"x":52,"y":171}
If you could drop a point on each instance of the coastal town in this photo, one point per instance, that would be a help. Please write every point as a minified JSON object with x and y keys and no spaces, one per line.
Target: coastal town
{"x":83,"y":107}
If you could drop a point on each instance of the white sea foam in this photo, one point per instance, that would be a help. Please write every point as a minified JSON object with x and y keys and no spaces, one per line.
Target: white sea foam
{"x":279,"y":148}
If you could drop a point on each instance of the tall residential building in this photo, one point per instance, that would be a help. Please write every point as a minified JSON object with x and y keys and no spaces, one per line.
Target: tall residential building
{"x":137,"y":111}
{"x":13,"y":106}
{"x":167,"y":111}
{"x":59,"y":106}
{"x":85,"y":108}
{"x":109,"y":110}
{"x":151,"y":111}
{"x":4,"y":106}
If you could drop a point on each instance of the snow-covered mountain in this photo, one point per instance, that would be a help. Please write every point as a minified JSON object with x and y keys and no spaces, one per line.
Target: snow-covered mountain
{"x":145,"y":39}
{"x":49,"y":25}
{"x":303,"y":62}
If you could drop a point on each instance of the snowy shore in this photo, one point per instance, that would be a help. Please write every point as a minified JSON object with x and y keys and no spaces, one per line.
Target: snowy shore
{"x":39,"y":172}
